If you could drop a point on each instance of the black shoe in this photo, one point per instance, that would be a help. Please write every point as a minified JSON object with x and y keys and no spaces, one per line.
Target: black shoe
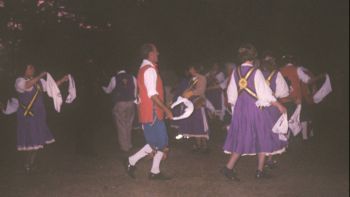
{"x":272,"y":164}
{"x":130,"y":169}
{"x":160,"y":176}
{"x":229,"y":174}
{"x":261,"y":175}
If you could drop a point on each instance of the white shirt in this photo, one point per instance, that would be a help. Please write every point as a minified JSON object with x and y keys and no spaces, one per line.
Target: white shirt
{"x":305,"y":78}
{"x":282,"y":89}
{"x":263,"y":91}
{"x":150,"y":78}
{"x":220,"y":77}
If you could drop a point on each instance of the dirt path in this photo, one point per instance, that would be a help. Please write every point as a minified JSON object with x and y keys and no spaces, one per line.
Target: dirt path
{"x":318,"y":168}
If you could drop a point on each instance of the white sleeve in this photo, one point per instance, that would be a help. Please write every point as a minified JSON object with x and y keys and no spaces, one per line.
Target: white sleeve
{"x":302,"y":75}
{"x":43,"y":84}
{"x":110,"y":87}
{"x":232,"y":93}
{"x":263,"y":91}
{"x":221,"y":80}
{"x":282,"y":89}
{"x":20,"y":85}
{"x":150,"y":80}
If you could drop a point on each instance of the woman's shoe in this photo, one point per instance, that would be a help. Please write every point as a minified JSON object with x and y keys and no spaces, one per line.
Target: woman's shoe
{"x":272,"y":164}
{"x":261,"y":175}
{"x":229,"y":174}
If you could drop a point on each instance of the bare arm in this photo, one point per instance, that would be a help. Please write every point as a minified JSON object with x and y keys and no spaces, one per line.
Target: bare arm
{"x":317,"y":78}
{"x":61,"y":81}
{"x":280,"y":107}
{"x":32,"y":82}
{"x":159,"y":103}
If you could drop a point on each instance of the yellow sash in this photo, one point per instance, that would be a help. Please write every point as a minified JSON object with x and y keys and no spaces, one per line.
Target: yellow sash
{"x":27,"y":109}
{"x":243,"y":82}
{"x":268,"y":80}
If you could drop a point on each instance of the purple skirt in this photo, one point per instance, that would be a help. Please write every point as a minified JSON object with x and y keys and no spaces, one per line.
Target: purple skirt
{"x":32,"y":131}
{"x":196,"y":125}
{"x":250,"y":131}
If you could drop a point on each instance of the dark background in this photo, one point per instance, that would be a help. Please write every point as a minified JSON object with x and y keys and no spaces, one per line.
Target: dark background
{"x":316,"y":32}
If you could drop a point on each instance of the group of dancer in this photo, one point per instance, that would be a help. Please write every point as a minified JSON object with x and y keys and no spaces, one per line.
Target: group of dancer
{"x":254,"y":95}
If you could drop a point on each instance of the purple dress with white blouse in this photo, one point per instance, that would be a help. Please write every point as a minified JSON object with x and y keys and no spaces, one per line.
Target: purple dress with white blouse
{"x":32,"y":130}
{"x":250,"y":131}
{"x":196,"y":124}
{"x":274,"y":112}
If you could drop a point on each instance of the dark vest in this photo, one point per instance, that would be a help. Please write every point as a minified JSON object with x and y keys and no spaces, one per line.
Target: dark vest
{"x":124,"y":89}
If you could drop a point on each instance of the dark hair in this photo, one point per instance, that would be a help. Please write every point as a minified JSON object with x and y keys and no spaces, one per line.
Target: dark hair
{"x":286,"y":59}
{"x":247,"y":52}
{"x":268,"y":65}
{"x":268,"y":53}
{"x":197,"y":66}
{"x":21,"y":69}
{"x":146,"y":49}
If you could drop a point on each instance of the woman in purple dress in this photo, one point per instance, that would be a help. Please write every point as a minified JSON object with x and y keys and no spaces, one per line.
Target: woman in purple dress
{"x":250,"y":132}
{"x":32,"y":130}
{"x":280,"y":89}
{"x":196,"y":126}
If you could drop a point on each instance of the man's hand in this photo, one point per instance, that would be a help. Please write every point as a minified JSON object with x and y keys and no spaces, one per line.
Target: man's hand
{"x":169,"y":114}
{"x":159,"y":103}
{"x":187,"y":94}
{"x":282,"y":109}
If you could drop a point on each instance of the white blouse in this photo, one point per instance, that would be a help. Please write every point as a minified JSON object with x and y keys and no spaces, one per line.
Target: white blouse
{"x":263,"y":91}
{"x":282,"y":89}
{"x":20,"y":85}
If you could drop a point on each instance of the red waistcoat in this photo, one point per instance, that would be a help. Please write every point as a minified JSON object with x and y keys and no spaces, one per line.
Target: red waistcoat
{"x":146,"y":104}
{"x":290,"y":73}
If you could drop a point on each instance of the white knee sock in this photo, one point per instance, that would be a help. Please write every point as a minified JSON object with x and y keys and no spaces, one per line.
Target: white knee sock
{"x":156,"y":162}
{"x":141,"y":154}
{"x":304,"y":130}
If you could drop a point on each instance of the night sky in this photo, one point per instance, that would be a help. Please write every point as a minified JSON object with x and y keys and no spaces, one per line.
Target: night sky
{"x":185,"y":31}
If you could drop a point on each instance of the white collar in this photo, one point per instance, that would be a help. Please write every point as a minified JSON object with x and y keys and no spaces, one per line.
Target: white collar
{"x":250,"y":65}
{"x":289,"y":64}
{"x":146,"y":62}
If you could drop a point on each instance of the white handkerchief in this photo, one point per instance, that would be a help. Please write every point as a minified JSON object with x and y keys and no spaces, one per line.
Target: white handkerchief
{"x":323,"y":91}
{"x":72,"y":91}
{"x":54,"y":92}
{"x":11,"y":107}
{"x":282,"y":137}
{"x":281,"y":126}
{"x":189,"y":107}
{"x":294,"y":122}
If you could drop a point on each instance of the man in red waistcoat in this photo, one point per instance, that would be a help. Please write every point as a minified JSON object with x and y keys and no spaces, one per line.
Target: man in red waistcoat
{"x":298,"y":78}
{"x":151,"y":114}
